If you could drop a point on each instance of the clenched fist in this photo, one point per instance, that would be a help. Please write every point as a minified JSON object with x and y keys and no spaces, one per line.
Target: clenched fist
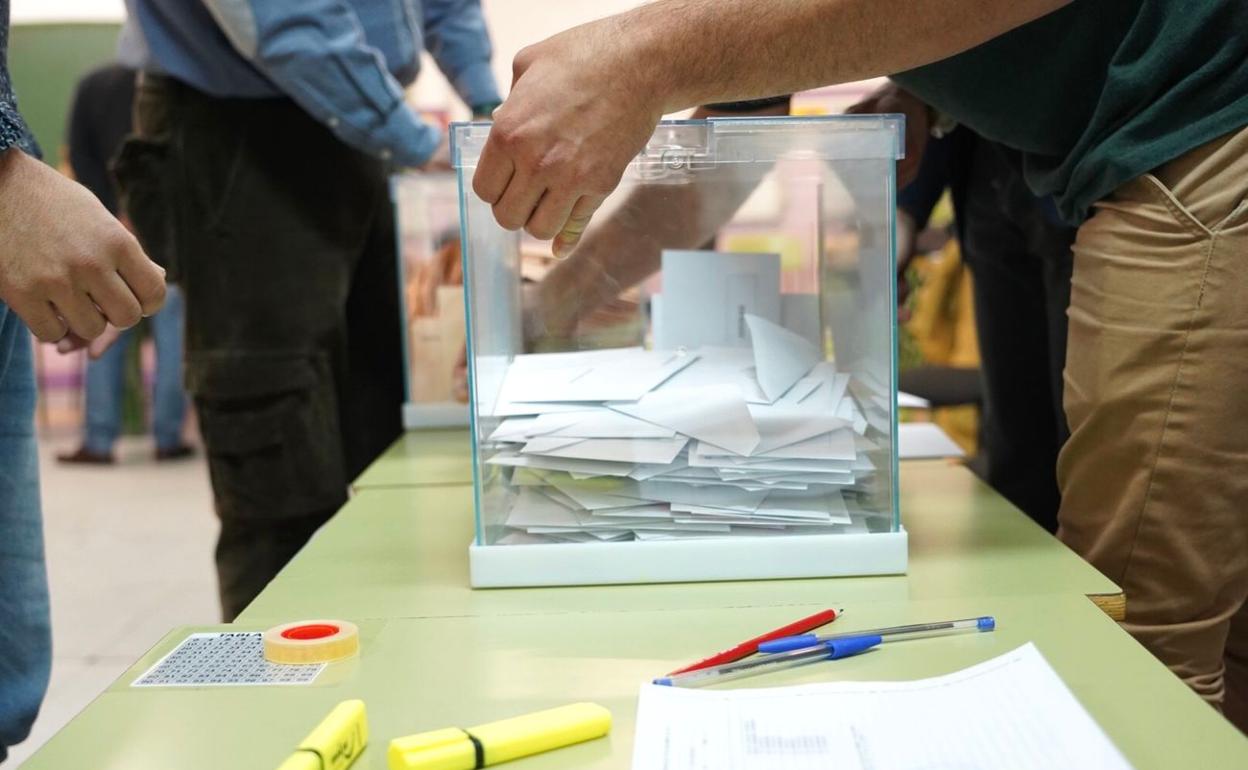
{"x":67,"y":266}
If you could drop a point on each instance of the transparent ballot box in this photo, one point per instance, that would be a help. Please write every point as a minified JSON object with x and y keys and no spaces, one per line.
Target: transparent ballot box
{"x":705,"y":388}
{"x":432,"y":297}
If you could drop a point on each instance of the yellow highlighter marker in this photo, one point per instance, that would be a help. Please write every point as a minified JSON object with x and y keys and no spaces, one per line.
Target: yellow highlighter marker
{"x":336,"y":742}
{"x":502,"y":741}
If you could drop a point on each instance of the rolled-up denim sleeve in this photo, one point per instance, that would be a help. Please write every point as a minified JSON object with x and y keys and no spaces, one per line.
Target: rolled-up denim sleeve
{"x":315,"y":52}
{"x":456,"y":37}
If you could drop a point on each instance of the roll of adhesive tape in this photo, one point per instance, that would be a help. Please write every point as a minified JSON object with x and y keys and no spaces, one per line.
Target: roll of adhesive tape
{"x":311,"y":641}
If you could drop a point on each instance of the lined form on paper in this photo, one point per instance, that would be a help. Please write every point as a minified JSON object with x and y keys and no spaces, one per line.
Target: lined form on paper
{"x":1010,"y":712}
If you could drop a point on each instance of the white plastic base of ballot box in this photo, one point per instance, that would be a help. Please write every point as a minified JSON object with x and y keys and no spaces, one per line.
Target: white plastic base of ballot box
{"x":447,"y":415}
{"x":679,"y":561}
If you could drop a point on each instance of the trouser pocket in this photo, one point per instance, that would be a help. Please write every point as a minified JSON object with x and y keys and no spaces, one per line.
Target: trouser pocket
{"x":142,"y":168}
{"x":271,"y":430}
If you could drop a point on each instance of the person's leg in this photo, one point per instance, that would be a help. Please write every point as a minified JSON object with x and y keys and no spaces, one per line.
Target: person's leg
{"x":272,"y":215}
{"x":372,"y":401}
{"x":168,"y":397}
{"x":1012,"y":325}
{"x":25,"y":634}
{"x":1153,"y":493}
{"x":105,"y":386}
{"x":1235,"y":706}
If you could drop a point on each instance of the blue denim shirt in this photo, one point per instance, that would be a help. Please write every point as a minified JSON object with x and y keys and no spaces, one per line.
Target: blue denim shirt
{"x":343,"y":61}
{"x":13,"y":129}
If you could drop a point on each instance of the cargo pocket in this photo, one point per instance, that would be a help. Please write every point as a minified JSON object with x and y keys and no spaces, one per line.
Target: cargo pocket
{"x":271,"y":431}
{"x":142,"y":168}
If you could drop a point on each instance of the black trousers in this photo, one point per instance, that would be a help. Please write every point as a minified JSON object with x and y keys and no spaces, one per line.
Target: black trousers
{"x":1021,"y":262}
{"x":283,"y":241}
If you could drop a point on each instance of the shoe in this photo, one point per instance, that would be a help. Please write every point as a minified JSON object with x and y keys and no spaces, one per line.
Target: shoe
{"x":177,"y":452}
{"x":85,"y":456}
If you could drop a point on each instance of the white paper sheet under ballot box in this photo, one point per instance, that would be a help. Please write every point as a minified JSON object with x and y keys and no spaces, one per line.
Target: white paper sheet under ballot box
{"x":705,"y":388}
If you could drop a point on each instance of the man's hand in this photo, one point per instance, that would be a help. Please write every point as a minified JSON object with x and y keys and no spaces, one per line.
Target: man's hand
{"x":579,"y":111}
{"x":67,"y":266}
{"x":893,"y":98}
{"x":95,"y":348}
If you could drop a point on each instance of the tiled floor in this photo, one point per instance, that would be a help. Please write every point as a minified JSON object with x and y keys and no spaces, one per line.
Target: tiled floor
{"x":129,"y":557}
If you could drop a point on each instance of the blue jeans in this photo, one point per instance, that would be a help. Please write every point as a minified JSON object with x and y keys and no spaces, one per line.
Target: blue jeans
{"x":106,"y":378}
{"x":25,"y":629}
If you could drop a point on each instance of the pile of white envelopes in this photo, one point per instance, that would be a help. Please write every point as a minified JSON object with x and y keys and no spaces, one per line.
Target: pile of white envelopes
{"x":633,"y":444}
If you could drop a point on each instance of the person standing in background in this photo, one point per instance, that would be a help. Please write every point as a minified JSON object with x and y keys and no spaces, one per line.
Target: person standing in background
{"x":1019,"y":254}
{"x":265,"y":136}
{"x":68,"y":269}
{"x":99,"y":121}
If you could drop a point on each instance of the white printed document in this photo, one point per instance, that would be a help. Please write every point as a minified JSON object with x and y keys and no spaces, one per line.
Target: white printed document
{"x":1009,"y":712}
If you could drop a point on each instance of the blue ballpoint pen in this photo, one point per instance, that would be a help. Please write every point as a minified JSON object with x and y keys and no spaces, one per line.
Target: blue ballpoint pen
{"x":838,"y":648}
{"x":896,"y":633}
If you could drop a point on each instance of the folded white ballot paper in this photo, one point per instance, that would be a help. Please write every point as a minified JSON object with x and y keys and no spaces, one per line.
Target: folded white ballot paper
{"x":633,"y":444}
{"x":1010,"y":712}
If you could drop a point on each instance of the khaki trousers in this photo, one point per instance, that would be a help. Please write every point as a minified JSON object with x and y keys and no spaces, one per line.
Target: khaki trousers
{"x":1154,"y":478}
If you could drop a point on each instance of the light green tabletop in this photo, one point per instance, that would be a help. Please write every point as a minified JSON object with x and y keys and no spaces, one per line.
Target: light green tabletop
{"x":402,"y":552}
{"x":421,"y":674}
{"x":421,"y":458}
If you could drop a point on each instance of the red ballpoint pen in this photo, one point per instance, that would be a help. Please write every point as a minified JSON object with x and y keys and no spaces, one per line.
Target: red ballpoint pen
{"x":748,"y":648}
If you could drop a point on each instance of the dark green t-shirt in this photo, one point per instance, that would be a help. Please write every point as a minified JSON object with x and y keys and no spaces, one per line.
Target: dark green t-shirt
{"x":1100,"y":91}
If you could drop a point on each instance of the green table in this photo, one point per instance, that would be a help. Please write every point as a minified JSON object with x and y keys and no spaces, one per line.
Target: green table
{"x":402,"y":553}
{"x":421,"y":674}
{"x":421,"y":458}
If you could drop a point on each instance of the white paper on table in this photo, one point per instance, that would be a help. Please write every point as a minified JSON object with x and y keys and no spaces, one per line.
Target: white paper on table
{"x":641,"y":450}
{"x":911,"y":401}
{"x":716,"y":414}
{"x":781,"y":357}
{"x":1004,"y":713}
{"x":925,"y":441}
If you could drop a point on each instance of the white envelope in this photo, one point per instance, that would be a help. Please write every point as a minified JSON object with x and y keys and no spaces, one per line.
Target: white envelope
{"x":641,"y":450}
{"x":713,"y":496}
{"x":627,"y":377}
{"x":598,"y":423}
{"x":781,"y":357}
{"x":716,"y":414}
{"x":706,"y":293}
{"x":828,"y":505}
{"x":595,"y":467}
{"x":601,"y":493}
{"x":835,"y":445}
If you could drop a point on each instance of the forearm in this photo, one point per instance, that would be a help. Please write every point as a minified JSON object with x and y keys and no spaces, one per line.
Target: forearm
{"x":721,"y":50}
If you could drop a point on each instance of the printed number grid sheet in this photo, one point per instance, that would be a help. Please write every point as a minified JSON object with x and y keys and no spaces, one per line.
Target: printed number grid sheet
{"x":224,"y":660}
{"x":1010,"y":712}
